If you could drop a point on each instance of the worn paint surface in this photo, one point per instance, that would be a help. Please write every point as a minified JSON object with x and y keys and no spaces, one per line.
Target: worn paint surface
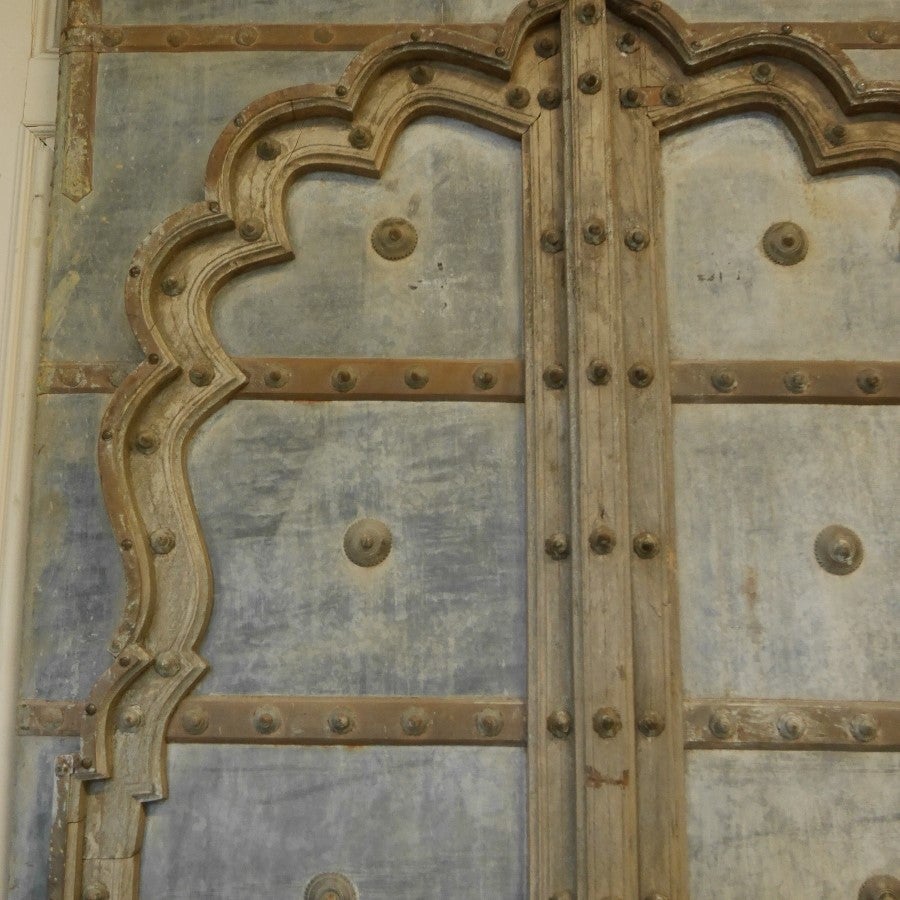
{"x":158,"y":115}
{"x":807,"y":826}
{"x":883,"y":65}
{"x":406,"y":823}
{"x":760,"y":617}
{"x":74,"y":582}
{"x":459,"y":292}
{"x":277,"y":485}
{"x":725,"y":184}
{"x":783,"y":10}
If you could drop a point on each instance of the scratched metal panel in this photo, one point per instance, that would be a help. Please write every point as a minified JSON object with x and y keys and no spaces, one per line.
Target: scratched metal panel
{"x":760,"y":618}
{"x":158,"y":115}
{"x":726,"y":182}
{"x":405,"y":823}
{"x":784,"y":10}
{"x":277,"y":484}
{"x":147,"y":12}
{"x":881,"y":65}
{"x":32,"y":814}
{"x":799,"y":825}
{"x":458,"y":294}
{"x":74,"y":582}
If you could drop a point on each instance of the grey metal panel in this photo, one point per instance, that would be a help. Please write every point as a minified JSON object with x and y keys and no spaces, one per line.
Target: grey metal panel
{"x":784,"y":10}
{"x":277,"y":484}
{"x":158,"y":115}
{"x":146,"y":12}
{"x":458,"y":294}
{"x":804,"y":825}
{"x":74,"y":582}
{"x":404,"y":823}
{"x":754,"y":486}
{"x":883,"y":65}
{"x":32,"y":814}
{"x":726,"y":182}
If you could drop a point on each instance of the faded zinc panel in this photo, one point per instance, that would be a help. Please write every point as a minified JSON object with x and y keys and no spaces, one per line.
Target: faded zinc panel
{"x":403,"y":823}
{"x":760,"y":617}
{"x":798,"y":825}
{"x":276,"y":486}
{"x":725,"y":183}
{"x":457,"y":294}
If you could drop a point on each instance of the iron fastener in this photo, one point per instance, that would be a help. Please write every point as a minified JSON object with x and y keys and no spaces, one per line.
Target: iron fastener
{"x":549,"y":98}
{"x":251,"y":230}
{"x":167,"y":664}
{"x":276,"y":378}
{"x":762,"y":73}
{"x":641,"y":375}
{"x":838,"y":550}
{"x":266,"y":720}
{"x":598,"y":372}
{"x":341,"y":90}
{"x":607,"y":722}
{"x":637,"y":239}
{"x":672,"y":95}
{"x":877,"y":34}
{"x":869,"y":381}
{"x":546,"y":46}
{"x":360,"y":137}
{"x":246,"y":36}
{"x":421,"y":74}
{"x":146,"y":442}
{"x":489,"y":722}
{"x":341,"y":721}
{"x":631,"y":98}
{"x":724,"y":381}
{"x":587,"y":13}
{"x":627,"y":42}
{"x":589,"y":82}
{"x":646,"y":545}
{"x":162,"y":541}
{"x":134,"y":271}
{"x":796,"y":382}
{"x":557,"y":546}
{"x":343,"y":380}
{"x":131,"y":719}
{"x":171,"y":285}
{"x":268,"y":149}
{"x":86,"y":763}
{"x":518,"y":97}
{"x":555,"y":377}
{"x":864,"y":728}
{"x":836,"y":134}
{"x":200,"y":376}
{"x":787,"y":29}
{"x":552,"y":241}
{"x":106,"y":434}
{"x":367,"y":542}
{"x":239,"y":121}
{"x":602,"y":541}
{"x":194,"y":720}
{"x":416,"y":377}
{"x":785,"y":243}
{"x":126,"y":543}
{"x":559,"y":723}
{"x":721,"y":724}
{"x":413,"y":721}
{"x":90,"y":709}
{"x":651,"y":724}
{"x":484,"y":379}
{"x":594,"y":231}
{"x":791,"y":726}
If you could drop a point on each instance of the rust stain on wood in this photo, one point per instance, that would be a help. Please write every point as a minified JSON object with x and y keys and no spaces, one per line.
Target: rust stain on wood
{"x":595,"y":779}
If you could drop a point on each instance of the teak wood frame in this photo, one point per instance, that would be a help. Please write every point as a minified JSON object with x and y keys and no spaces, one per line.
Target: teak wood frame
{"x":603,"y":621}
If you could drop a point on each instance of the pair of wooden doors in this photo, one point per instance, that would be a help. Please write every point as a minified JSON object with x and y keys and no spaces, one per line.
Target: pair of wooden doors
{"x":502,"y":479}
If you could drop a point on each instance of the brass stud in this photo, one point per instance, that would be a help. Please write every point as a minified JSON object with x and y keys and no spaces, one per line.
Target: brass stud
{"x":276,"y":378}
{"x":637,"y":240}
{"x":646,"y":545}
{"x":607,"y":722}
{"x":330,"y":886}
{"x":421,"y":74}
{"x":360,"y":137}
{"x":627,"y":42}
{"x":416,"y":378}
{"x":594,"y":232}
{"x":124,"y":661}
{"x":785,"y":243}
{"x":162,"y":541}
{"x":146,"y":442}
{"x":341,"y":721}
{"x":869,"y":381}
{"x":246,"y":36}
{"x":126,"y":543}
{"x":546,"y":46}
{"x":796,"y":382}
{"x":787,"y":29}
{"x":367,"y":542}
{"x":343,"y":380}
{"x":268,"y":149}
{"x":651,"y":724}
{"x":557,"y":546}
{"x":836,"y":134}
{"x":791,"y":726}
{"x":587,"y":13}
{"x":762,"y":73}
{"x":631,"y":98}
{"x":641,"y":375}
{"x":549,"y":98}
{"x":341,"y":90}
{"x":602,"y":541}
{"x":838,"y":550}
{"x":518,"y":97}
{"x":877,"y":34}
{"x":251,"y":230}
{"x":167,"y":664}
{"x":394,"y":238}
{"x":589,"y":82}
{"x":96,"y":890}
{"x":864,"y":728}
{"x":484,"y":379}
{"x":171,"y":286}
{"x":724,"y":381}
{"x":721,"y":724}
{"x":239,"y":120}
{"x":413,"y":721}
{"x":880,"y":887}
{"x":134,"y":271}
{"x":555,"y":377}
{"x":86,"y":762}
{"x":200,"y":376}
{"x":106,"y":434}
{"x":499,"y":51}
{"x":153,"y":358}
{"x":598,"y":372}
{"x":552,"y":241}
{"x":194,"y":720}
{"x":672,"y":95}
{"x":489,"y":722}
{"x":559,"y":723}
{"x":131,"y":719}
{"x":415,"y":36}
{"x":266,"y":720}
{"x":90,"y":709}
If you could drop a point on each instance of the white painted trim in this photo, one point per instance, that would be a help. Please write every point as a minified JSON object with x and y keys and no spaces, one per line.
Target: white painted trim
{"x":27,"y":114}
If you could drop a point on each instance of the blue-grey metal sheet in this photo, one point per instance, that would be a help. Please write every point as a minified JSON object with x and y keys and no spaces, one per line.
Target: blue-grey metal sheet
{"x":798,"y":825}
{"x":458,"y":294}
{"x":404,"y":823}
{"x":754,"y":485}
{"x":74,"y":587}
{"x":277,"y":484}
{"x":158,"y":116}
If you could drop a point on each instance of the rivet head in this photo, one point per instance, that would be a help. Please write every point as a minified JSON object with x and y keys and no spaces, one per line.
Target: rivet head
{"x":90,"y":709}
{"x":415,"y":36}
{"x":416,"y":377}
{"x":194,"y":720}
{"x":627,"y":42}
{"x":589,"y":82}
{"x":341,"y":721}
{"x":796,"y":382}
{"x":394,"y":238}
{"x":86,"y":762}
{"x":787,"y":29}
{"x":555,"y":377}
{"x":134,"y":271}
{"x":96,"y":890}
{"x":880,"y":887}
{"x":239,"y":121}
{"x":341,"y":90}
{"x":672,"y":94}
{"x":864,"y":728}
{"x":641,"y":375}
{"x":200,"y":376}
{"x":266,"y":720}
{"x":107,"y":434}
{"x":276,"y":378}
{"x":549,"y":98}
{"x":413,"y":721}
{"x":785,"y":243}
{"x":721,"y":725}
{"x":724,"y":381}
{"x":646,"y":545}
{"x":126,"y":543}
{"x":631,"y":98}
{"x":869,"y":381}
{"x":594,"y":231}
{"x":330,"y":886}
{"x":167,"y":664}
{"x":268,"y":149}
{"x":489,"y":722}
{"x":877,"y":34}
{"x":546,"y":46}
{"x":836,"y":134}
{"x":762,"y":73}
{"x":557,"y":546}
{"x":112,"y":37}
{"x":651,"y":724}
{"x":499,"y":51}
{"x":484,"y":379}
{"x":602,"y":541}
{"x":518,"y":97}
{"x":790,"y":726}
{"x":587,"y":13}
{"x":176,"y":38}
{"x":343,"y":380}
{"x":367,"y":542}
{"x":246,"y":36}
{"x":131,"y":719}
{"x":171,"y":285}
{"x":153,"y":359}
{"x":838,"y":550}
{"x":559,"y":723}
{"x":251,"y":230}
{"x":360,"y":137}
{"x":607,"y":722}
{"x":146,"y":442}
{"x":323,"y":35}
{"x":598,"y":372}
{"x":421,"y":74}
{"x":124,"y":661}
{"x":637,"y":239}
{"x":162,"y":541}
{"x":552,"y":241}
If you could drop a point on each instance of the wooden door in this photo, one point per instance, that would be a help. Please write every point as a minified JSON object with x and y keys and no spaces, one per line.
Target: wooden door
{"x":465,"y":460}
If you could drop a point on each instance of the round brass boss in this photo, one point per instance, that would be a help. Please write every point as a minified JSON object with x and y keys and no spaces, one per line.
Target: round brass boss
{"x":394,"y":238}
